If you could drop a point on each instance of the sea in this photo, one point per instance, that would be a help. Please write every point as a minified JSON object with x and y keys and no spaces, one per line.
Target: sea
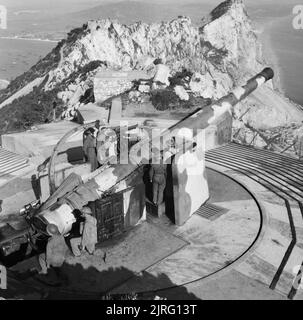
{"x":287,"y":44}
{"x":18,"y":55}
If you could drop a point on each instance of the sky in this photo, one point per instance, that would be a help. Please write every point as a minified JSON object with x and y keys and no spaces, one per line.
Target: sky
{"x":75,"y":5}
{"x":88,"y":2}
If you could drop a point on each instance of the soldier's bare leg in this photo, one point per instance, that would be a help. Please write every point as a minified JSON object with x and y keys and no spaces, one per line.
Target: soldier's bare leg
{"x":155,"y":192}
{"x":161,"y":193}
{"x":42,"y":263}
{"x":90,"y":247}
{"x":75,"y":245}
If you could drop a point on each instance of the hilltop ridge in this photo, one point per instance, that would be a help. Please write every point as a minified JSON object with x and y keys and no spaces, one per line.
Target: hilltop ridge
{"x":223,"y":49}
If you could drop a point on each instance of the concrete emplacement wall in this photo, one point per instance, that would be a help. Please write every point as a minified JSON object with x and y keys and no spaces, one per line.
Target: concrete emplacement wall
{"x":188,"y":179}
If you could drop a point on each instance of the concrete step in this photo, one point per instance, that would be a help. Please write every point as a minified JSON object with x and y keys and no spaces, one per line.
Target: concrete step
{"x":280,"y":176}
{"x":11,"y":162}
{"x":262,"y":169}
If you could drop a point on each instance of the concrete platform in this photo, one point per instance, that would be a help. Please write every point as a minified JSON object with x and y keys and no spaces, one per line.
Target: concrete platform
{"x":214,"y":246}
{"x":249,"y":252}
{"x":203,"y":248}
{"x":276,"y":182}
{"x":41,"y":141}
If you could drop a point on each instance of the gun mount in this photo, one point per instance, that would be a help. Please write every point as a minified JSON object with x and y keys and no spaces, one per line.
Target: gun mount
{"x":105,"y":180}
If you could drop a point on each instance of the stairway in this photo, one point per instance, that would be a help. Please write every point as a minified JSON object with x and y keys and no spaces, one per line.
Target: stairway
{"x":281,"y":181}
{"x":11,"y":162}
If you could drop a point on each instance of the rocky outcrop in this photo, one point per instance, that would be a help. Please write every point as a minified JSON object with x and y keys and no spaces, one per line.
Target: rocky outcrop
{"x":229,"y":30}
{"x":179,"y":42}
{"x":222,"y":52}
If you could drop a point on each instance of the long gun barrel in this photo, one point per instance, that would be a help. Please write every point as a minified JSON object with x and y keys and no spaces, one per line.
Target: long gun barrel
{"x":203,"y":117}
{"x":112,"y":176}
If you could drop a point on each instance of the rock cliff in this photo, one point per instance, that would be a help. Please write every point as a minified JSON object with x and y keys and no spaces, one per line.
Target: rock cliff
{"x":223,"y":52}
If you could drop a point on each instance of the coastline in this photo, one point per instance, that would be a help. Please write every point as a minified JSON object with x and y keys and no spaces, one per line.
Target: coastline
{"x":29,"y":39}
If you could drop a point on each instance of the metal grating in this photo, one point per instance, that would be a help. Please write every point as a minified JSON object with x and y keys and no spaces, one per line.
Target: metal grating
{"x":211,"y":211}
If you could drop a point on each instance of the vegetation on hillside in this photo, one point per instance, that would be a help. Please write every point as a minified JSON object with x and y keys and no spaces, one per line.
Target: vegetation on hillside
{"x":221,"y":9}
{"x":36,"y":107}
{"x":166,"y":99}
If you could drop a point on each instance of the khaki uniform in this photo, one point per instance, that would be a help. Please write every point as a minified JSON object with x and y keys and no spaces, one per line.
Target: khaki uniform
{"x":157,"y":174}
{"x":89,"y":149}
{"x":89,"y":236}
{"x":56,"y":250}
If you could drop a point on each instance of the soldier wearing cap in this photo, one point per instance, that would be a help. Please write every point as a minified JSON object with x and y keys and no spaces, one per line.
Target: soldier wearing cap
{"x":56,"y":250}
{"x":88,"y":231}
{"x":89,"y":148}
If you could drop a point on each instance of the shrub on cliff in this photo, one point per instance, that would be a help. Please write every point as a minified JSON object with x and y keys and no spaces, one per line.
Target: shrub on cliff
{"x":179,"y":78}
{"x":164,"y":99}
{"x":34,"y":108}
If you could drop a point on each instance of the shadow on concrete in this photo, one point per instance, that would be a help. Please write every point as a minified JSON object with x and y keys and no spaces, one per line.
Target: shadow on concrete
{"x":91,"y":284}
{"x":148,"y":184}
{"x":136,"y":206}
{"x":72,"y":155}
{"x":169,"y":195}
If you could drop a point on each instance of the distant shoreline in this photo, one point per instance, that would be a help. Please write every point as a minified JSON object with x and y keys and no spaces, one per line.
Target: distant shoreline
{"x":29,"y":39}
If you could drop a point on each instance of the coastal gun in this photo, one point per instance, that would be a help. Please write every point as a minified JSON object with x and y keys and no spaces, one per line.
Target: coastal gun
{"x":116,"y":176}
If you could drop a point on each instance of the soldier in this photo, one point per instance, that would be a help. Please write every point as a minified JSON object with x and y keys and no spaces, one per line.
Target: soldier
{"x":89,"y":234}
{"x":157,"y":176}
{"x":56,"y":250}
{"x":76,"y":233}
{"x":96,"y":128}
{"x":170,"y":150}
{"x":54,"y":110}
{"x":107,"y":146}
{"x":89,"y":148}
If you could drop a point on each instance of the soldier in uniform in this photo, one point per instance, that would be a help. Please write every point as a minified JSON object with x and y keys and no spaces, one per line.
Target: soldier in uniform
{"x":157,"y":176}
{"x":56,"y":250}
{"x":89,"y":235}
{"x":88,"y":231}
{"x":90,"y":148}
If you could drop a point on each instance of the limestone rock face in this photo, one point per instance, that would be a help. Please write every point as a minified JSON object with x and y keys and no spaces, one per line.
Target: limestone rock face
{"x":181,"y":93}
{"x":222,"y":52}
{"x":230,"y":32}
{"x":105,"y":89}
{"x":203,"y":85}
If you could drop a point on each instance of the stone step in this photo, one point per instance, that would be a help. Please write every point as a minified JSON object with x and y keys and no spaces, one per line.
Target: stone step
{"x":11,"y":162}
